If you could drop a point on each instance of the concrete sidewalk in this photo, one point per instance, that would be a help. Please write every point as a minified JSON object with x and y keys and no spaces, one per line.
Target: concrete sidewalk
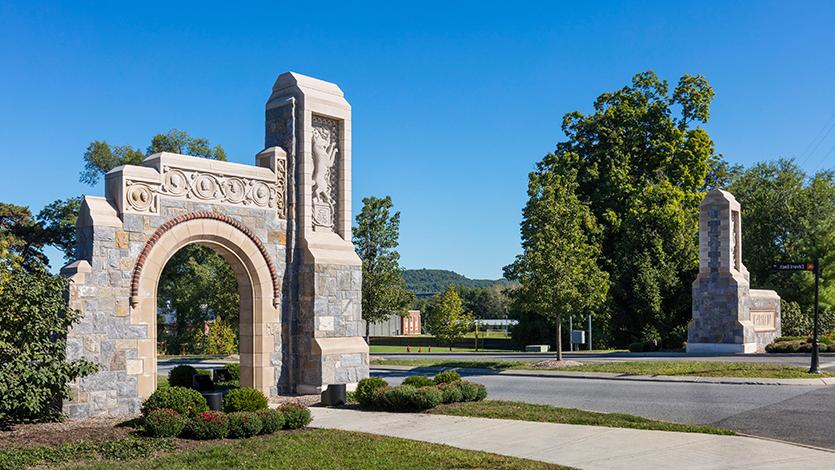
{"x":586,"y":447}
{"x":616,"y":376}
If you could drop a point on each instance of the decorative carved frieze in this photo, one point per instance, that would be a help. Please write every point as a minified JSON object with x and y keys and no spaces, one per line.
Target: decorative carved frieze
{"x":141,"y":197}
{"x":281,"y":187}
{"x":325,"y":171}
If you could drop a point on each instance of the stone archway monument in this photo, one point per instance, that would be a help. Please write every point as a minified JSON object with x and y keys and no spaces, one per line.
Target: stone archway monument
{"x":284,"y":226}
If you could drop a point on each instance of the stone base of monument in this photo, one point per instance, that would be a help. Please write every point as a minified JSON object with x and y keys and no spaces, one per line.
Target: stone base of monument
{"x":721,"y":348}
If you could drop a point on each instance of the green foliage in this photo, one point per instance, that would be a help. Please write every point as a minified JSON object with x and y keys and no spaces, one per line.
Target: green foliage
{"x":271,"y":420}
{"x":296,"y":415}
{"x":183,"y":400}
{"x":375,"y":237}
{"x":182,"y":376}
{"x":244,"y":424}
{"x":58,"y":220}
{"x":788,"y":215}
{"x":471,"y":391}
{"x":208,"y":425}
{"x":21,"y":238}
{"x":196,"y":285}
{"x":426,"y":398}
{"x":165,"y":422}
{"x":400,"y":397}
{"x":244,"y":399}
{"x":448,"y":320}
{"x":419,"y":381}
{"x":434,"y":281}
{"x":366,"y":388}
{"x":450,"y":392}
{"x":126,"y":448}
{"x":447,"y":376}
{"x":234,"y":371}
{"x":34,"y":320}
{"x":221,"y":338}
{"x":488,"y":302}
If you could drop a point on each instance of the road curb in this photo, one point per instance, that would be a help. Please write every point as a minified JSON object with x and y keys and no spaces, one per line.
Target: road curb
{"x":626,"y":377}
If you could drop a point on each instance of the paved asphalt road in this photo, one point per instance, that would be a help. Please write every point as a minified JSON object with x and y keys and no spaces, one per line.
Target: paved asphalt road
{"x":827,"y":359}
{"x":802,"y":414}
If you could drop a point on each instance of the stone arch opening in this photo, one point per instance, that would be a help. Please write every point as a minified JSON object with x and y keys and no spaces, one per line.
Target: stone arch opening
{"x":259,"y":318}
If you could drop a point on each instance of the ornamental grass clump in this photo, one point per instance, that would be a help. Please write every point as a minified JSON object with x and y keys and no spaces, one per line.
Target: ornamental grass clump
{"x":243,"y":424}
{"x":165,"y":422}
{"x":271,"y":420}
{"x":366,"y":388}
{"x":296,"y":415}
{"x":208,"y":425}
{"x":419,"y":381}
{"x":244,"y":399}
{"x":400,"y":397}
{"x":183,"y":400}
{"x":447,"y":376}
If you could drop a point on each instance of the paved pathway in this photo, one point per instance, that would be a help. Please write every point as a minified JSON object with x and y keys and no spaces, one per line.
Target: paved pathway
{"x":586,"y":447}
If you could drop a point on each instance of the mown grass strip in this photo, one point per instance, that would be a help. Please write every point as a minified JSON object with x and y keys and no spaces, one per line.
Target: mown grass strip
{"x":552,"y":414}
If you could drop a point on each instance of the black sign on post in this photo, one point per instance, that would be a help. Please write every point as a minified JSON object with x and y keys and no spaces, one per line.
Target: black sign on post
{"x":810,"y":266}
{"x":813,"y":266}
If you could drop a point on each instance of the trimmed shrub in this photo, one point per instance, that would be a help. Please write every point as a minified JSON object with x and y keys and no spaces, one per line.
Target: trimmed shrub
{"x":244,"y":399}
{"x":366,"y":388}
{"x":244,"y":424}
{"x":447,"y":376}
{"x":208,"y":425}
{"x":234,"y":370}
{"x":419,"y":381}
{"x":181,"y":376}
{"x":296,"y":415}
{"x":271,"y":420}
{"x":400,"y":397}
{"x":165,"y":422}
{"x":427,"y":397}
{"x":183,"y":400}
{"x":450,"y":393}
{"x":472,"y":391}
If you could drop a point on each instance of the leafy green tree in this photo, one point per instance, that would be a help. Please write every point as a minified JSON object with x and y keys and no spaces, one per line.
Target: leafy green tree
{"x":642,"y":172}
{"x":558,"y":269}
{"x":788,"y":215}
{"x":196,"y":285}
{"x":34,"y":320}
{"x":22,"y":238}
{"x":449,"y":321}
{"x":375,"y":237}
{"x":485,"y":302}
{"x":221,"y":338}
{"x":58,"y":221}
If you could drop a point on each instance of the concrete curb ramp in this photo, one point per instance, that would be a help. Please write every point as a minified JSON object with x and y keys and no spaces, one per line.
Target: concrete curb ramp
{"x":613,"y":376}
{"x":586,"y":447}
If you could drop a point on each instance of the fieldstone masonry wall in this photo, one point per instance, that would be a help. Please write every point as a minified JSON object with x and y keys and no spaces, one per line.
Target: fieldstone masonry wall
{"x":299,"y":278}
{"x":728,"y":316}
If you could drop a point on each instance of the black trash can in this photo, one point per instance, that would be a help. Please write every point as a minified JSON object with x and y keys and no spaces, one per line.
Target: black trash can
{"x":214,"y":399}
{"x":334,"y":395}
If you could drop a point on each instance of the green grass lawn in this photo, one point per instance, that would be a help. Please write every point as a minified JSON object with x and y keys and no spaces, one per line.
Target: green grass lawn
{"x":435,"y":349}
{"x":318,"y":448}
{"x":675,"y":368}
{"x":553,"y":414}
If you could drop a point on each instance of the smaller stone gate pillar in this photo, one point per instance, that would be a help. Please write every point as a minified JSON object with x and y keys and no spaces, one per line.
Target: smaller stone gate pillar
{"x":723,"y":318}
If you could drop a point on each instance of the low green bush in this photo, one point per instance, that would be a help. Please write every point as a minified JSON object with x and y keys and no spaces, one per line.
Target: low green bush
{"x":234,"y":371}
{"x":419,"y":381}
{"x":272,"y":420}
{"x":400,"y":397}
{"x":427,"y":397}
{"x":366,"y":388}
{"x":181,"y":376}
{"x":642,"y":346}
{"x":244,"y":399}
{"x":447,"y":376}
{"x":208,"y":425}
{"x":296,"y":415}
{"x":244,"y":424}
{"x":183,"y":400}
{"x":472,"y":391}
{"x":450,"y":393}
{"x":165,"y":422}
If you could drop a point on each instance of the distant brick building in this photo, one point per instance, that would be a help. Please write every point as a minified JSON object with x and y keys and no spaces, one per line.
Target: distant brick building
{"x":409,"y":324}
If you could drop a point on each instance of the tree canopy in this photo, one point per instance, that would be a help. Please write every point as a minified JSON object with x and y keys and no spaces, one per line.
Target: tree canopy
{"x":448,"y":320}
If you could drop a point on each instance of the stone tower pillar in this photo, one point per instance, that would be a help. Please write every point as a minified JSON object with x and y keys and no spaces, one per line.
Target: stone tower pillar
{"x":311,"y":120}
{"x":721,"y":294}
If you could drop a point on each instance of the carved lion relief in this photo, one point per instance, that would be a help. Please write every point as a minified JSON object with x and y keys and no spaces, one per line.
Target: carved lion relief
{"x":325,"y":171}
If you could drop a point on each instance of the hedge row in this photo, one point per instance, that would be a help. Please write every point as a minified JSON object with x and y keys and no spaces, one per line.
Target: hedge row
{"x":166,"y":422}
{"x":797,"y":346}
{"x":417,"y":392}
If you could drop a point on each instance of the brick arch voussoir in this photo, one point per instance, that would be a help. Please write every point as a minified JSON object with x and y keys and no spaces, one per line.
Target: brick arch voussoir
{"x":168,"y":225}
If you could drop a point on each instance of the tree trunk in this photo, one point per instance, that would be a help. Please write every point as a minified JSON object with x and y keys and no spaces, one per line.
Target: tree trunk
{"x":559,"y":337}
{"x":367,"y":333}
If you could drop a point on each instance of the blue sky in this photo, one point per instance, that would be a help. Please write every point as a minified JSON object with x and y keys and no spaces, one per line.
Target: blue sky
{"x":453,"y":102}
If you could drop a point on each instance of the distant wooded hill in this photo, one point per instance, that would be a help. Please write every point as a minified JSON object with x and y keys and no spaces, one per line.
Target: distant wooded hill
{"x":432,"y":281}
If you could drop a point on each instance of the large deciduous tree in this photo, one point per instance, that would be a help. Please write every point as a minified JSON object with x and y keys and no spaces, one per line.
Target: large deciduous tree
{"x":642,"y":170}
{"x":375,"y":238}
{"x":557,"y":270}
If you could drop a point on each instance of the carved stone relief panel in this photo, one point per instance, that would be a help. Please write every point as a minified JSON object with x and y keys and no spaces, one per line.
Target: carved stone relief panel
{"x":281,"y":187}
{"x":210,"y":187}
{"x":325,"y":171}
{"x":141,"y":197}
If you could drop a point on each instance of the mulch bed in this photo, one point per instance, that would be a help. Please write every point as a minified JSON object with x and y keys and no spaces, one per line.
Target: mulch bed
{"x":554,"y":364}
{"x":71,"y":430}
